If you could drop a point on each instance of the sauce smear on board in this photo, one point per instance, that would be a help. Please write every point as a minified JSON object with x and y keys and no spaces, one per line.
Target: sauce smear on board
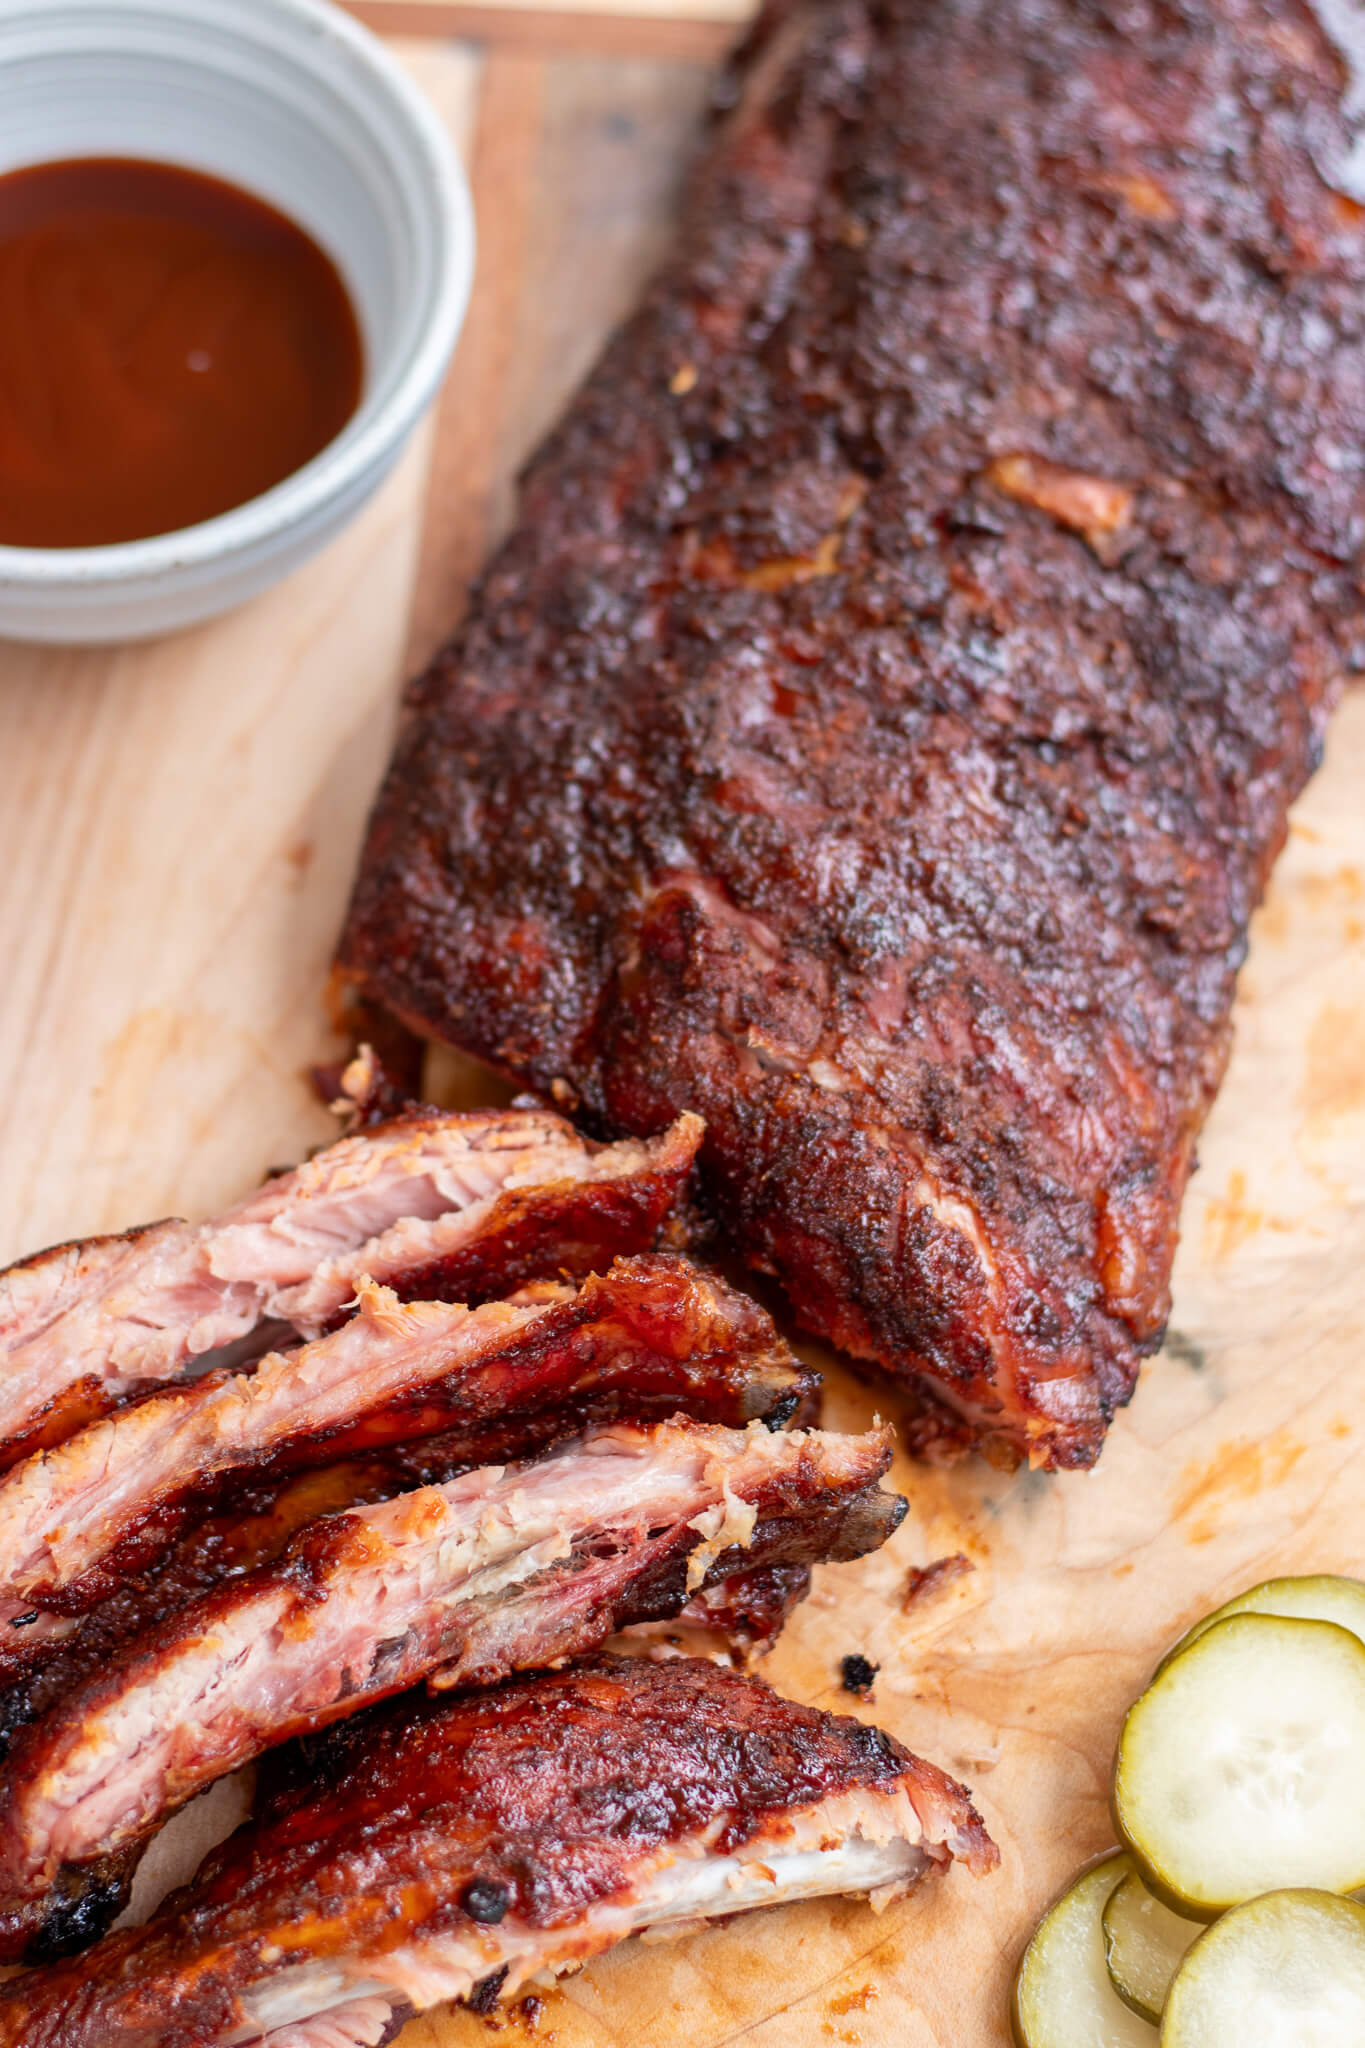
{"x":170,"y":346}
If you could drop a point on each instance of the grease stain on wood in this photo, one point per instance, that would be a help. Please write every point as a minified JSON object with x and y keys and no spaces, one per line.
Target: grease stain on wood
{"x":1322,"y":896}
{"x":1239,"y":1472}
{"x":1233,"y":1219}
{"x":1334,"y":1069}
{"x":851,"y":2001}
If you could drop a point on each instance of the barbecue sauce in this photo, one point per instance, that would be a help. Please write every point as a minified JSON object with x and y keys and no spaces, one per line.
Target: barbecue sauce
{"x":170,"y":346}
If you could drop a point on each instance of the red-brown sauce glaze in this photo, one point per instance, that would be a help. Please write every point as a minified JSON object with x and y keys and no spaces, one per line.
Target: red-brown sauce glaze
{"x":170,"y":346}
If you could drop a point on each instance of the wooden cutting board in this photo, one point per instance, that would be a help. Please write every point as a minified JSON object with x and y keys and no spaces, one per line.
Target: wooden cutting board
{"x":178,"y":825}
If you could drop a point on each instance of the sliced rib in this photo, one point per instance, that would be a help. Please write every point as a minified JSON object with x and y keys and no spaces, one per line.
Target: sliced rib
{"x":652,"y":1337}
{"x":739,"y":1619}
{"x":46,"y":1664}
{"x":453,"y":1848}
{"x":439,"y":1206}
{"x":499,"y":1571}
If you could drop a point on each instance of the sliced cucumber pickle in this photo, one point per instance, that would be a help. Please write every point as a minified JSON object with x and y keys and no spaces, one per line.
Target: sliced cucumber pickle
{"x":1144,"y":1945}
{"x":1318,"y":1597}
{"x":1283,"y":1971}
{"x":1240,"y":1768}
{"x":1062,"y":1995}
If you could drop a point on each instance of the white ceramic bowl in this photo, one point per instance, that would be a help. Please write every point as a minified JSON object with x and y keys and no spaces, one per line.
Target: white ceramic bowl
{"x":292,"y":101}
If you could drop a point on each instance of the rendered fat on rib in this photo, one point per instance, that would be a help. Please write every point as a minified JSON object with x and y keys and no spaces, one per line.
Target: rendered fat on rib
{"x":495,"y":1572}
{"x":877,"y":730}
{"x":443,"y":1206}
{"x":457,"y":1847}
{"x":653,"y":1336}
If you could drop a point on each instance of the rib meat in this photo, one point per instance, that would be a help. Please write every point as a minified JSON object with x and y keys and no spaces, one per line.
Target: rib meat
{"x":55,"y":1653}
{"x":652,"y":1336}
{"x":452,"y":1848}
{"x":498,"y":1571}
{"x":439,"y":1206}
{"x":877,"y":732}
{"x":742,"y":1617}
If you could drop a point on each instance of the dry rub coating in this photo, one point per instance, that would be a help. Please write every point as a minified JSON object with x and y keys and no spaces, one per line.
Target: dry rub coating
{"x":878,"y":730}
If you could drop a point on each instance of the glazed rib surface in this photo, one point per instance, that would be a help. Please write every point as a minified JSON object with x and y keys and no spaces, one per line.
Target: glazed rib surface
{"x":877,"y":732}
{"x":438,"y":1849}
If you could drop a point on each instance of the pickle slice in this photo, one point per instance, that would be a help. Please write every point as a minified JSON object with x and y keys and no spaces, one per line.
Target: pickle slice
{"x":1239,"y":1769}
{"x":1320,"y":1596}
{"x":1144,"y":1945}
{"x":1286,"y":1970}
{"x":1062,"y":1995}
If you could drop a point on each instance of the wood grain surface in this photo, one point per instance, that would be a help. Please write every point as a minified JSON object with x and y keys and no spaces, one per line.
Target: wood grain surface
{"x":678,"y":29}
{"x":178,"y":825}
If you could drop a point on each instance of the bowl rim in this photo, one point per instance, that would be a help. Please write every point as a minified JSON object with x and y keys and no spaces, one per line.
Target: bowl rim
{"x":301,"y":496}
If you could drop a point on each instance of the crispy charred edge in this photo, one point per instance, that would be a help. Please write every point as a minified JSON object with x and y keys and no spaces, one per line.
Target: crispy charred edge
{"x":968,"y":1385}
{"x":747,"y":1612}
{"x":564,"y":1227}
{"x":77,"y":1910}
{"x":651,"y":1337}
{"x":716,"y":1754}
{"x":942,"y":1424}
{"x":933,"y":1314}
{"x":803,"y":1516}
{"x":772,"y":16}
{"x":73,"y":1409}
